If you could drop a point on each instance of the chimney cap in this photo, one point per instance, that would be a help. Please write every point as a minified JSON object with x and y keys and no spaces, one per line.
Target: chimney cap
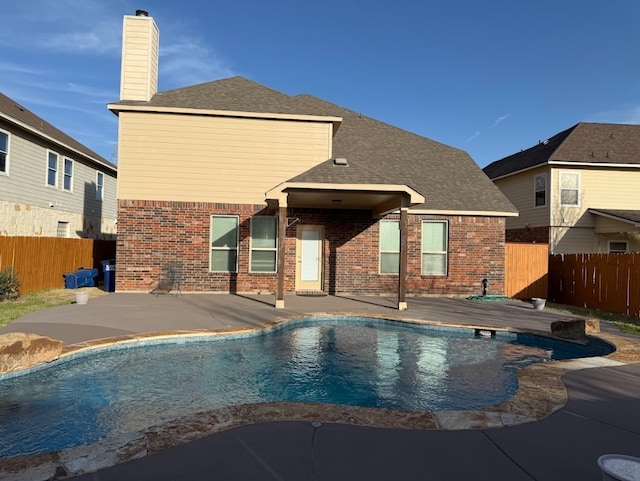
{"x":142,"y":13}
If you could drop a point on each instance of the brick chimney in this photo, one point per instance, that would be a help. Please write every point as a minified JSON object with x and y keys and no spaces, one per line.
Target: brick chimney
{"x":140,"y":50}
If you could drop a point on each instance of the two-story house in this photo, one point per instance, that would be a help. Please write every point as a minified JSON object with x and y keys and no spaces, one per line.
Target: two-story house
{"x":50,"y":184}
{"x":235,"y":187}
{"x":577,"y":190}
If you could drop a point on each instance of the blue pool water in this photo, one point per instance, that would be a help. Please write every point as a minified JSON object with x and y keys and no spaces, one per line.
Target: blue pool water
{"x":353,"y":361}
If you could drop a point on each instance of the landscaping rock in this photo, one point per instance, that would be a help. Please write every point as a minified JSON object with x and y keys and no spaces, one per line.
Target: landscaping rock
{"x":19,"y":350}
{"x":573,"y":329}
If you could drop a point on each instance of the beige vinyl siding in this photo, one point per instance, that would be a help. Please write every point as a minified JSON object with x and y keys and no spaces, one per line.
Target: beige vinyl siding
{"x":26,"y":182}
{"x":599,"y":189}
{"x":214,"y":159}
{"x":139,"y":58}
{"x":520,"y":190}
{"x":564,"y":240}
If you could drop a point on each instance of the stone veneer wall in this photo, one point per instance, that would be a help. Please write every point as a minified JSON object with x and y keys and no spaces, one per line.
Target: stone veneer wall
{"x":27,"y":220}
{"x":154,"y":234}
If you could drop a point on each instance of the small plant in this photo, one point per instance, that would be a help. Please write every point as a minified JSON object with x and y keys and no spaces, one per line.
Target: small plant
{"x":9,"y":284}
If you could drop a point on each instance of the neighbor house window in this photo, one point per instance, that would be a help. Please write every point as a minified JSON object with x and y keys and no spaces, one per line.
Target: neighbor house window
{"x":540,"y":188}
{"x":618,"y":247}
{"x":63,"y":229}
{"x":99,"y":186}
{"x":4,"y":152}
{"x":52,"y":169}
{"x":67,"y":183}
{"x":224,"y":243}
{"x":264,"y":236}
{"x":569,"y":188}
{"x":434,"y":248}
{"x":389,"y":246}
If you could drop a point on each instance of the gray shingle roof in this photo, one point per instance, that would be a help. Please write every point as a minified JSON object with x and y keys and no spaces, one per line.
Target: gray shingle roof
{"x":23,"y":115}
{"x":592,"y":143}
{"x":377,"y":153}
{"x":621,"y":214}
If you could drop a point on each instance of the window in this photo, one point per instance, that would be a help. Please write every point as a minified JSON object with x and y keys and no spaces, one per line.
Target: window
{"x":99,"y":186}
{"x":224,"y":243}
{"x":63,"y":229}
{"x":569,"y":189}
{"x":67,"y":183}
{"x":52,"y":169}
{"x":264,"y":236}
{"x":434,"y":248}
{"x":4,"y":152}
{"x":618,"y":247}
{"x":540,"y":189}
{"x":389,"y":246}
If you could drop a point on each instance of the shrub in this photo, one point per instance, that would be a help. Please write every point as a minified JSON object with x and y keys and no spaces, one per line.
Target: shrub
{"x":9,"y":284}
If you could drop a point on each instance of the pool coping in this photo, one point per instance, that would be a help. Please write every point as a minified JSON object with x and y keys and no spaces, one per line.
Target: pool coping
{"x":540,"y":393}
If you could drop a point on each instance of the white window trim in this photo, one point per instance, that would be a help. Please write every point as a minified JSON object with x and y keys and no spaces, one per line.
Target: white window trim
{"x":263,"y":249}
{"x":445,"y":252}
{"x":46,"y":178}
{"x":236,"y":248}
{"x":535,"y":191}
{"x":380,"y":251}
{"x":99,"y":186}
{"x":626,"y":246}
{"x":560,"y":189}
{"x":8,"y":153}
{"x":64,"y":174}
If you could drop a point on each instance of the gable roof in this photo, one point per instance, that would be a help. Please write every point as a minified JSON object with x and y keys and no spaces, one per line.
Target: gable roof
{"x":584,"y":143}
{"x":623,"y":215}
{"x":376,"y":153}
{"x":22,"y":117}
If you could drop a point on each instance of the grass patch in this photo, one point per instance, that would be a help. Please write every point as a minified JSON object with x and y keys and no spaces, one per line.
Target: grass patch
{"x":626,"y":324}
{"x":35,"y":301}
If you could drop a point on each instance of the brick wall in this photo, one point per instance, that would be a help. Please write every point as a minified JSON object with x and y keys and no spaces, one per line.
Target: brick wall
{"x":153,"y":234}
{"x":538,"y":235}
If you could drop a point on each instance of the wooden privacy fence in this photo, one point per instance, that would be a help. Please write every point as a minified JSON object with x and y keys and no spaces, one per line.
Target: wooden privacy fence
{"x":40,"y":262}
{"x":608,"y":282}
{"x":526,"y":270}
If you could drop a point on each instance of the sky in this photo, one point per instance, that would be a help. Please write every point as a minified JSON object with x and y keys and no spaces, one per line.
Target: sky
{"x":491,"y":77}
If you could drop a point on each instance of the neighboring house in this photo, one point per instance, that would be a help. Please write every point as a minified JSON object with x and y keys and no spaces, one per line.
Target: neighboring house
{"x":230,"y":186}
{"x":578,"y":190}
{"x":50,"y":184}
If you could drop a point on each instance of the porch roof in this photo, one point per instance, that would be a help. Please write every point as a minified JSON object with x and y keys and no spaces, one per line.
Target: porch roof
{"x":628,"y":216}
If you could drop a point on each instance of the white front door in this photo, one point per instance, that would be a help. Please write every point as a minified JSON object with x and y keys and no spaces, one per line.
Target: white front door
{"x":309,"y":257}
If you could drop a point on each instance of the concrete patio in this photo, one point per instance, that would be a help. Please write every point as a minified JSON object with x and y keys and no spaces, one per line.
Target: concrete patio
{"x":600,"y":417}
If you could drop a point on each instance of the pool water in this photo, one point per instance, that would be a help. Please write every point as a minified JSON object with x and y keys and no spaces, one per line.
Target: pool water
{"x":352,"y":361}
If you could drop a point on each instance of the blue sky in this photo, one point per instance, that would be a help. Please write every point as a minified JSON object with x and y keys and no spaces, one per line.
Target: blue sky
{"x":490,"y":77}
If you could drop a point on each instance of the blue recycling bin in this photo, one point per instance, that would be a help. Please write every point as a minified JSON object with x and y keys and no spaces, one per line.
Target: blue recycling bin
{"x":80,"y":278}
{"x":109,"y":271}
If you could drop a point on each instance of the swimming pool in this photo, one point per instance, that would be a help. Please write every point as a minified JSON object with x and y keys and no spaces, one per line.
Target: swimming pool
{"x":337,"y":360}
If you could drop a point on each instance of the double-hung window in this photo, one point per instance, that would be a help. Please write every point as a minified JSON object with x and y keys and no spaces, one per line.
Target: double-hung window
{"x":224,"y":243}
{"x":67,"y":183}
{"x":4,"y":152}
{"x":264,"y":247}
{"x":540,"y":188}
{"x":389,"y":247}
{"x":99,"y":186}
{"x":569,"y":189}
{"x":434,"y":248}
{"x":52,"y":169}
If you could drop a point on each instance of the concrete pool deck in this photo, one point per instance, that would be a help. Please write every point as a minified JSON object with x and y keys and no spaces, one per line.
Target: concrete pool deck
{"x":599,"y":417}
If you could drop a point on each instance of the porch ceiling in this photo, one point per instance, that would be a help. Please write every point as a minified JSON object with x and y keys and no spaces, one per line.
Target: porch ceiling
{"x":380,"y":199}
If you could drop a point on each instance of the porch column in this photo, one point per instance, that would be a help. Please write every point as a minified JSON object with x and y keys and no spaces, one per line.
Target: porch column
{"x":402,"y":272}
{"x":282,"y":235}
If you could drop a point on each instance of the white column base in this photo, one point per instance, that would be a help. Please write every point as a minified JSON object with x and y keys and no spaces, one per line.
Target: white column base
{"x":402,"y":306}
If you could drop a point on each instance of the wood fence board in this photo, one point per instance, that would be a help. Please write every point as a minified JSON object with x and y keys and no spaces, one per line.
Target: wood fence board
{"x":526,"y":270}
{"x":40,"y":262}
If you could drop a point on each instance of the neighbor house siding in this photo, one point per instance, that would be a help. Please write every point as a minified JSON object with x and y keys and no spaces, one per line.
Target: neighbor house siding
{"x":154,"y":234}
{"x":29,"y":207}
{"x":214,"y":159}
{"x":519,"y":189}
{"x":565,"y":240}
